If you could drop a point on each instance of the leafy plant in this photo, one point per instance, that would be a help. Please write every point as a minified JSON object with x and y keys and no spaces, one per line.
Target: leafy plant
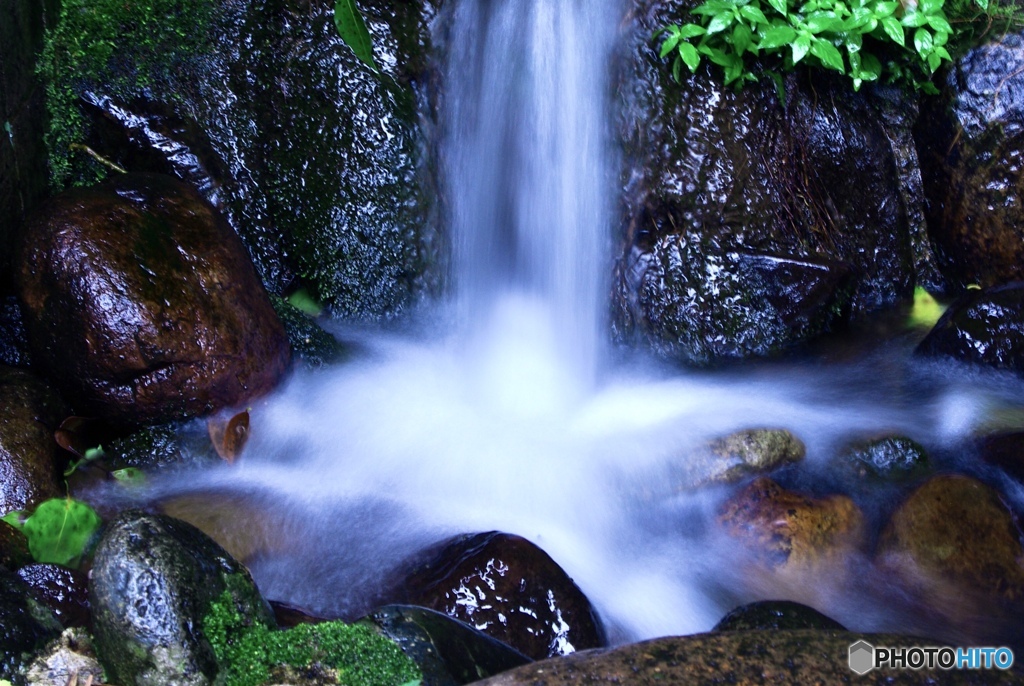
{"x":58,"y":531}
{"x":903,"y":40}
{"x":352,"y":30}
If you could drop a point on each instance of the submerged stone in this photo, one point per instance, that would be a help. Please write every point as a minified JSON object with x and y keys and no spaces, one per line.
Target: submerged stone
{"x":509,"y":589}
{"x":142,"y":304}
{"x":25,"y":626}
{"x":890,"y":458}
{"x":775,"y":615}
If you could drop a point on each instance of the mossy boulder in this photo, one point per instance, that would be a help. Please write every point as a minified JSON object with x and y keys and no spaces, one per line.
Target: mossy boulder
{"x":740,"y":454}
{"x":971,"y":139}
{"x":25,"y":626}
{"x":774,"y":615}
{"x":29,"y":413}
{"x":793,"y":532}
{"x":530,"y":603}
{"x":153,"y":581}
{"x":753,"y":224}
{"x":983,"y":327}
{"x":142,"y":305}
{"x":316,"y":160}
{"x":954,"y":531}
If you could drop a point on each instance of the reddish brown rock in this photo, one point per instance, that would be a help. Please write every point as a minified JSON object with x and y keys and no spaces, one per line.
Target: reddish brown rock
{"x":511,"y":590}
{"x":142,"y":304}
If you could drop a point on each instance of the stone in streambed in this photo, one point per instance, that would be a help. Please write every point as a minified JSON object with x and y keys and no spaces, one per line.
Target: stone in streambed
{"x":25,"y":626}
{"x":142,"y":304}
{"x":70,"y":659}
{"x":775,"y":615}
{"x":14,"y":552}
{"x":65,"y":591}
{"x":890,"y":458}
{"x":152,"y":584}
{"x":511,"y":590}
{"x":740,"y":454}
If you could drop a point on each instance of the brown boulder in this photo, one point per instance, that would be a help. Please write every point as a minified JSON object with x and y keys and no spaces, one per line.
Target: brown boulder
{"x":511,"y":590}
{"x":29,"y":412}
{"x":792,"y":531}
{"x":956,"y":530}
{"x":143,"y":305}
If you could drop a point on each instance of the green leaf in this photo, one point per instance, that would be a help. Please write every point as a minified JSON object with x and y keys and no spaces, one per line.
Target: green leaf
{"x":800,"y":47}
{"x":933,"y":62}
{"x":930,"y":7}
{"x":353,"y":31}
{"x":753,"y":14}
{"x":871,"y":68}
{"x":780,"y":6}
{"x":713,"y":7}
{"x":719,"y":22}
{"x":129,"y":476}
{"x":926,"y":310}
{"x":303,"y":301}
{"x":942,"y":53}
{"x":675,"y":66}
{"x":983,"y":4}
{"x":690,"y":56}
{"x":824,"y":22}
{"x":15,"y":518}
{"x":922,"y":41}
{"x":914,"y":19}
{"x":59,"y":530}
{"x":939,"y":23}
{"x":940,"y":38}
{"x":777,"y":37}
{"x":780,"y":86}
{"x":741,"y":39}
{"x":669,"y":45}
{"x":885,"y":9}
{"x":892,"y":27}
{"x":692,"y":30}
{"x":827,"y":53}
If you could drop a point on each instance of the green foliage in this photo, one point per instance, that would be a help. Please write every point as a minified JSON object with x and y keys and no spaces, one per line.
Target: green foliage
{"x":867,"y":40}
{"x":353,"y":31}
{"x":58,"y":531}
{"x":128,"y":46}
{"x":356,"y":652}
{"x":926,"y":310}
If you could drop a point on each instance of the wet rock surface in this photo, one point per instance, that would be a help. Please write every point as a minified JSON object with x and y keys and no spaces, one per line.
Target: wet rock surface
{"x":792,"y":531}
{"x":65,"y":591}
{"x":13,"y":339}
{"x":956,"y":530}
{"x":70,"y":659}
{"x":29,"y":412}
{"x":753,"y":225}
{"x":509,"y":589}
{"x":25,"y":625}
{"x":890,"y":458}
{"x":315,"y":160}
{"x":152,"y":582}
{"x":313,"y":346}
{"x":143,"y":305}
{"x":775,"y":615}
{"x":447,"y":651}
{"x":971,"y":142}
{"x":983,"y":327}
{"x":789,"y":657}
{"x":731,"y":458}
{"x":14,"y":551}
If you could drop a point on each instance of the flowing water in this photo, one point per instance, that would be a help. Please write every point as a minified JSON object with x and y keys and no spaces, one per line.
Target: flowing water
{"x":504,"y":411}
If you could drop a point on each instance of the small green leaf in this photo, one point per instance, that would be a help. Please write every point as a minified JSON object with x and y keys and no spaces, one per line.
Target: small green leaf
{"x":871,"y":68}
{"x":827,"y":53}
{"x":303,"y":301}
{"x":942,"y":53}
{"x":983,"y":4}
{"x":669,"y":45}
{"x":800,"y":47}
{"x":741,"y":39}
{"x":926,"y":310}
{"x":777,"y":37}
{"x":885,"y":9}
{"x":780,"y":6}
{"x":922,"y":41}
{"x":753,"y":14}
{"x":939,"y":23}
{"x":892,"y":27}
{"x":930,"y":7}
{"x":780,"y":86}
{"x":933,"y":62}
{"x":59,"y":530}
{"x":15,"y":518}
{"x":129,"y":476}
{"x":691,"y":31}
{"x":675,"y":65}
{"x":824,"y":22}
{"x":353,"y":31}
{"x":914,"y":19}
{"x":690,"y":56}
{"x":719,"y":22}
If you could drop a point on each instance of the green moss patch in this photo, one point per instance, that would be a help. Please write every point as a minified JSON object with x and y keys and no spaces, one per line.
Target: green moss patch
{"x":126,"y":45}
{"x":351,"y":654}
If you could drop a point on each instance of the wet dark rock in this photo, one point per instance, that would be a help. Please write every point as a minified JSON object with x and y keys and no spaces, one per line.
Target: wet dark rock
{"x":955,"y":530}
{"x":783,"y":657}
{"x":25,"y":626}
{"x":141,"y":303}
{"x":152,"y":582}
{"x":775,"y":615}
{"x":511,"y":590}
{"x":971,"y":140}
{"x":448,"y":652}
{"x":740,"y":209}
{"x":892,"y":458}
{"x":740,"y":454}
{"x":311,"y":344}
{"x":161,"y":446}
{"x":791,"y":531}
{"x":983,"y":327}
{"x":13,"y":339}
{"x":1004,"y":450}
{"x":14,"y":551}
{"x":70,"y":659}
{"x":315,"y":160}
{"x":29,"y":413}
{"x":65,"y":591}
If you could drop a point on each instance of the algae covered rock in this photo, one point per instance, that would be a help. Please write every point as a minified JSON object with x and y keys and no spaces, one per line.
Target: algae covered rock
{"x":142,"y":304}
{"x":153,"y":581}
{"x":530,"y":603}
{"x":955,"y":530}
{"x":742,"y":453}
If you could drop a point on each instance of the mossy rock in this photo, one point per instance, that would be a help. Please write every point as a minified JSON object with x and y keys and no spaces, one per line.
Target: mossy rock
{"x":315,"y":347}
{"x":774,"y":615}
{"x":162,"y":446}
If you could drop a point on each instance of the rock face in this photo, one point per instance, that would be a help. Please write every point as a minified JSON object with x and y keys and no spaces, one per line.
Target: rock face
{"x":29,"y":412}
{"x":25,"y":625}
{"x":65,"y":591}
{"x":314,"y":159}
{"x":775,"y":615}
{"x":142,"y":304}
{"x":511,"y":590}
{"x":971,"y":141}
{"x":983,"y":327}
{"x":791,"y":531}
{"x":152,"y":582}
{"x":784,"y":657}
{"x":753,"y":225}
{"x":955,"y":530}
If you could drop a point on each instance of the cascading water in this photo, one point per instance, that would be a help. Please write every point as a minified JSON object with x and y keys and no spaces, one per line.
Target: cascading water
{"x":506,"y":423}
